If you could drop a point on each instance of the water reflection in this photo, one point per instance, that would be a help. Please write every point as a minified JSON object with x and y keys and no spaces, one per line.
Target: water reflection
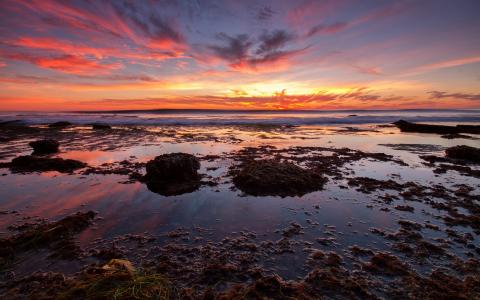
{"x":136,"y":208}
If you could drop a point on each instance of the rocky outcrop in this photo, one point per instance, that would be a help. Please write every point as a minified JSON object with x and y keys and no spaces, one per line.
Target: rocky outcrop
{"x":44,"y":146}
{"x":173,"y":174}
{"x":464,"y":153}
{"x":274,"y":178}
{"x":406,"y":126}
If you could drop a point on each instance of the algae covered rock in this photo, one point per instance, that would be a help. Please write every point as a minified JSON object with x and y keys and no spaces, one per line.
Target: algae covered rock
{"x":173,"y":174}
{"x":29,"y":163}
{"x":464,"y":153}
{"x":44,"y":146}
{"x":273,"y":178}
{"x":406,"y":126}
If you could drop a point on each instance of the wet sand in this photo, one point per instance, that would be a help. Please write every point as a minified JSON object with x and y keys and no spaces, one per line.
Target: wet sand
{"x":393,"y":218}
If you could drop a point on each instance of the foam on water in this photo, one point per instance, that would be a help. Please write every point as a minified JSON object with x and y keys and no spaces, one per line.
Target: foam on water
{"x":212,"y":117}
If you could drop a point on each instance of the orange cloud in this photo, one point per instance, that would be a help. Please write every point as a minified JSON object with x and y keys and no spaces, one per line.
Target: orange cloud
{"x":29,"y":103}
{"x":126,"y":35}
{"x":322,"y":99}
{"x":343,"y":98}
{"x":59,"y":45}
{"x":70,"y":64}
{"x":67,"y":47}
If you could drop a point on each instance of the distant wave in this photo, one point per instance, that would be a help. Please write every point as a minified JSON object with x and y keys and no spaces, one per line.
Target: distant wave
{"x":213,"y":117}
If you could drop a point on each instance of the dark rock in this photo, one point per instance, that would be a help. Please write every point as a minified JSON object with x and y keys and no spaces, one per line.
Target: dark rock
{"x":464,"y":153}
{"x":101,"y":126}
{"x":173,"y":166}
{"x":270,"y":177}
{"x":406,"y":126}
{"x":60,"y":124}
{"x":386,"y":264}
{"x":44,"y":146}
{"x":457,"y":136}
{"x":42,"y":164}
{"x":173,"y":174}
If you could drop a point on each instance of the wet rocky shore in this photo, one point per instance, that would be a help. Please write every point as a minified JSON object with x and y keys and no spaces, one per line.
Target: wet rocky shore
{"x":253,"y":212}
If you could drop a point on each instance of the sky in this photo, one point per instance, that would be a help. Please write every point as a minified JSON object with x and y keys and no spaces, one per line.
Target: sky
{"x":229,"y":54}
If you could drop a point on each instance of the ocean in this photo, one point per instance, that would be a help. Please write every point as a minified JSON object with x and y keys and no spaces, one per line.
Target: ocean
{"x":239,"y":117}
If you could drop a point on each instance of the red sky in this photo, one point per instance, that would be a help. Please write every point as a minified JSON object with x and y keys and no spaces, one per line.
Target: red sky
{"x":97,"y":55}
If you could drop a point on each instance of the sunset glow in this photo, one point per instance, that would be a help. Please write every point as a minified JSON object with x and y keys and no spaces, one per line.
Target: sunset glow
{"x":103,"y":55}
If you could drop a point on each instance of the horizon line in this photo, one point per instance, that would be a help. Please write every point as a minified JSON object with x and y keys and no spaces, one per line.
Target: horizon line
{"x":236,"y":110}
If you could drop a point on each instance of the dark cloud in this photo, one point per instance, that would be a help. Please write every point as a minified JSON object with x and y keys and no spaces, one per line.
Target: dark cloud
{"x":327,"y":28}
{"x":272,"y":41}
{"x":463,"y":96}
{"x":236,"y":48}
{"x":265,"y":13}
{"x":161,"y":29}
{"x":268,"y":58}
{"x":245,"y":52}
{"x":148,"y":21}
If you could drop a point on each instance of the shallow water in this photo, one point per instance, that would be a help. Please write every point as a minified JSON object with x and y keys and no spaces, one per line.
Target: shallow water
{"x":213,"y":213}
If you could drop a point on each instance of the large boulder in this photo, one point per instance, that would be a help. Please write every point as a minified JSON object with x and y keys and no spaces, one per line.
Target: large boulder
{"x":274,"y":178}
{"x":44,"y":146}
{"x":173,"y":174}
{"x":464,"y":153}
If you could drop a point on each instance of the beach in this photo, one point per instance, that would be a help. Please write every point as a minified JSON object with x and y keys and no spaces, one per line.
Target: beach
{"x":350,"y":206}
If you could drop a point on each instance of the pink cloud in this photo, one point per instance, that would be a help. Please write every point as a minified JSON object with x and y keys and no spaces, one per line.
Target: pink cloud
{"x":59,"y":46}
{"x":70,"y":64}
{"x":445,"y":64}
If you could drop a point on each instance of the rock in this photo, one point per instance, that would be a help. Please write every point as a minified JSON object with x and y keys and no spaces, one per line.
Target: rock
{"x":406,"y":126}
{"x":457,"y":136}
{"x":44,"y":146}
{"x":60,"y":124}
{"x":386,"y":264}
{"x":173,"y":166}
{"x":120,"y":265}
{"x":58,"y":235}
{"x":173,"y":174}
{"x":273,"y":178}
{"x":464,"y":153}
{"x":101,"y":126}
{"x":29,"y":163}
